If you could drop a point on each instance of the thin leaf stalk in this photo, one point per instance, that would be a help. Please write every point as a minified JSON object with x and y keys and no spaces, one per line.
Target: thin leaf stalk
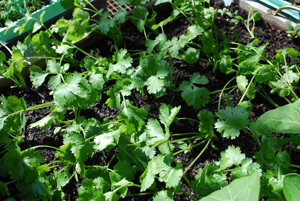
{"x":193,"y":162}
{"x":188,"y":148}
{"x":266,"y":96}
{"x":222,"y":92}
{"x":247,"y":89}
{"x":184,"y":139}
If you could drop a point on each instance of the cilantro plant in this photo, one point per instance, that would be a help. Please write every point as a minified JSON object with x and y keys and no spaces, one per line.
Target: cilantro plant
{"x":142,"y":145}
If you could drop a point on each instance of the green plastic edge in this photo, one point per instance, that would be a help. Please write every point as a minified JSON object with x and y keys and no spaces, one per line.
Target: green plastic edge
{"x":275,"y":4}
{"x":52,"y":10}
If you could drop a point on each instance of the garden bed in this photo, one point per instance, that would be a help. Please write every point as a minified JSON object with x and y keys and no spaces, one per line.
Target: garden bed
{"x":146,"y":107}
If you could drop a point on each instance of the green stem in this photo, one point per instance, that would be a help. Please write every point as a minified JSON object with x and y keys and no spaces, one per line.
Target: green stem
{"x":197,"y":157}
{"x":180,"y":134}
{"x":184,"y":139}
{"x":248,"y":87}
{"x":188,"y":148}
{"x":136,"y":185}
{"x":140,"y":194}
{"x":112,"y":158}
{"x":266,"y":96}
{"x":185,"y":118}
{"x":287,"y":100}
{"x":81,"y":50}
{"x":255,"y":139}
{"x":295,"y":166}
{"x":36,"y":107}
{"x":6,"y":48}
{"x":220,"y":97}
{"x":47,"y":146}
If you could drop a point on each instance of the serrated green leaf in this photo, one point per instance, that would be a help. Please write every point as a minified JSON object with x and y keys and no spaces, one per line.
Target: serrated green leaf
{"x":62,"y":179}
{"x":92,"y":189}
{"x":122,"y":170}
{"x":191,"y":55}
{"x":231,"y":120}
{"x":147,"y":179}
{"x":75,"y":92}
{"x":155,"y":133}
{"x":154,"y":84}
{"x":193,"y":31}
{"x":247,"y":167}
{"x":107,"y":139}
{"x":167,"y":114}
{"x":231,"y":156}
{"x":81,"y":147}
{"x":208,"y":180}
{"x":44,"y":123}
{"x":37,"y":76}
{"x":105,"y":24}
{"x":163,"y":195}
{"x":161,"y":165}
{"x":206,"y":121}
{"x":123,"y":61}
{"x":55,"y":81}
{"x":139,"y":16}
{"x":171,"y":176}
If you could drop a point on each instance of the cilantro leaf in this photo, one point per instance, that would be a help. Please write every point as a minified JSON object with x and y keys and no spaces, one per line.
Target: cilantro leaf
{"x":231,"y":156}
{"x":44,"y":123}
{"x":208,"y":180}
{"x":151,"y":44}
{"x":283,"y":85}
{"x":122,"y":170}
{"x":139,"y":16}
{"x":242,"y":83}
{"x":81,"y":147}
{"x":163,"y":195}
{"x":161,"y":165}
{"x":37,"y":75}
{"x":206,"y":121}
{"x":191,"y":55}
{"x":123,"y":61}
{"x":193,"y":95}
{"x":231,"y":120}
{"x":105,"y":140}
{"x":152,"y":73}
{"x":105,"y":23}
{"x":247,"y":167}
{"x":155,"y":133}
{"x":92,"y":189}
{"x":76,"y":92}
{"x":167,"y":114}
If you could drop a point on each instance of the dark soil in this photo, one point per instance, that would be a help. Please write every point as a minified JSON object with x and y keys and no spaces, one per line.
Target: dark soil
{"x":277,"y":39}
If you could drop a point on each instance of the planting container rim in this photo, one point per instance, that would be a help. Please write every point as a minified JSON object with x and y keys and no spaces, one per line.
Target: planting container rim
{"x":278,"y":21}
{"x":275,"y":4}
{"x":52,"y":10}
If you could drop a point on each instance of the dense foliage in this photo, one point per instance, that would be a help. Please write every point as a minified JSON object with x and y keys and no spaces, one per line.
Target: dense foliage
{"x":12,"y":10}
{"x":144,"y":156}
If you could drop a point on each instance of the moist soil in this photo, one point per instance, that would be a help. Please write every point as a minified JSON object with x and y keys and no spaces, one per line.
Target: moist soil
{"x":277,"y":39}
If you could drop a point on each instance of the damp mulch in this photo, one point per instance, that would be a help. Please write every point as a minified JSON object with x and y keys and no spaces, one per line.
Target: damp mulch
{"x":277,"y":39}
